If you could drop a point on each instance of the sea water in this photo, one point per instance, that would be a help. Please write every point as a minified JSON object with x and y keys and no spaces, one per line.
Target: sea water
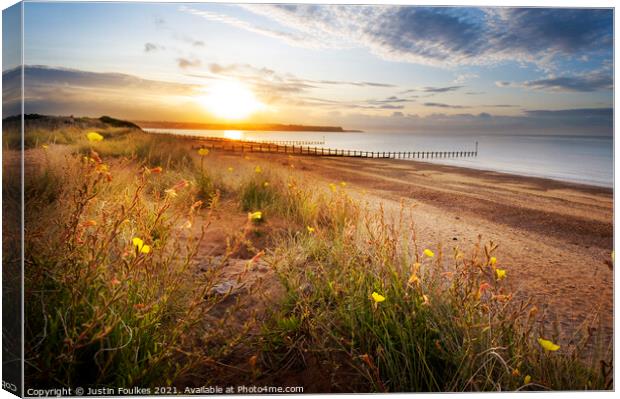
{"x":581,"y":159}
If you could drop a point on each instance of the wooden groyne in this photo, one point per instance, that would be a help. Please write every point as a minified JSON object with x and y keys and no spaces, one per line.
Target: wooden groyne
{"x":274,"y":142}
{"x":249,"y":146}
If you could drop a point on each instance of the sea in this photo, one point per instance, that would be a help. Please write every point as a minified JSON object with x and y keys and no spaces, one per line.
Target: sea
{"x":575,"y":158}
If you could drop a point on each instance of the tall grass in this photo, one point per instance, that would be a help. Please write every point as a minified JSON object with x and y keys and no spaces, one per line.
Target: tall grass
{"x":111,"y":291}
{"x":363,"y":295}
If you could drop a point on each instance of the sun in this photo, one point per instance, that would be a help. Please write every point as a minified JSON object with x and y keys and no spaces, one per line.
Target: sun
{"x":230,"y":99}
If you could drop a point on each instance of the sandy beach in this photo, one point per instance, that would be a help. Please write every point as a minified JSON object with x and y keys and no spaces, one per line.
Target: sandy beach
{"x":555,"y":238}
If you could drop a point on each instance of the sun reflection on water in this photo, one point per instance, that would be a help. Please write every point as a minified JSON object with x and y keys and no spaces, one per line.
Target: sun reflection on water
{"x":233,"y":134}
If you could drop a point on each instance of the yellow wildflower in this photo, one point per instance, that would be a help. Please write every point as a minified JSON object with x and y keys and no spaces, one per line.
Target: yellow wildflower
{"x":230,"y":169}
{"x":527,"y":379}
{"x":258,"y":169}
{"x":377,"y":297}
{"x":429,"y":253}
{"x":500,"y":273}
{"x":493,"y":261}
{"x":266,"y":184}
{"x":255,"y":216}
{"x":94,"y":136}
{"x":332,"y":187}
{"x":343,"y":184}
{"x":310,"y":229}
{"x":203,"y":151}
{"x":141,"y":246}
{"x":548,"y":345}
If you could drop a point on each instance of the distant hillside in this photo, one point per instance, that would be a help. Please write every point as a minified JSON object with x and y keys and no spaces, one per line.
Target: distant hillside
{"x":240,"y":126}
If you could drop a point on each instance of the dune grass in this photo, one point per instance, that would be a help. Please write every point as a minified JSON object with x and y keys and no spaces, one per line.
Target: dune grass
{"x":114,"y":298}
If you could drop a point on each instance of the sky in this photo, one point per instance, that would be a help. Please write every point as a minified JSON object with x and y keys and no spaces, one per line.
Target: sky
{"x":393,"y":68}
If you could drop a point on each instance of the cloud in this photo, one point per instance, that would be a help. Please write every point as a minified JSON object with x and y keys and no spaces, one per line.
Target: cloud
{"x":552,"y":31}
{"x":583,"y":83}
{"x":576,"y":113}
{"x":442,"y":36}
{"x":441,"y":105}
{"x":60,"y":91}
{"x":586,"y":121}
{"x":185,"y":63}
{"x":441,"y":89}
{"x":291,"y":38}
{"x":151,"y":47}
{"x":600,"y":80}
{"x":464,"y":77}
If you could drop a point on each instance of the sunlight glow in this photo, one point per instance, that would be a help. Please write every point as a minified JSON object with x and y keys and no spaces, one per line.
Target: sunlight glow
{"x":230,"y":99}
{"x":233,"y":134}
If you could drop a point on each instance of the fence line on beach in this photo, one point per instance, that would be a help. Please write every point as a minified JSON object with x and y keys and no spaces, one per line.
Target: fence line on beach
{"x":249,"y":146}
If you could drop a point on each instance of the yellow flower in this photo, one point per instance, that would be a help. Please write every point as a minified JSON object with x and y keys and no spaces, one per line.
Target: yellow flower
{"x":230,"y":169}
{"x":377,"y":297}
{"x":310,"y":229}
{"x":548,"y":345}
{"x":94,"y":136}
{"x":429,"y":253}
{"x":203,"y":151}
{"x":257,"y":169}
{"x":500,"y":273}
{"x":266,"y":184}
{"x":332,"y":187}
{"x":255,"y":216}
{"x":141,"y":246}
{"x":527,"y":379}
{"x":343,"y":184}
{"x":493,"y":261}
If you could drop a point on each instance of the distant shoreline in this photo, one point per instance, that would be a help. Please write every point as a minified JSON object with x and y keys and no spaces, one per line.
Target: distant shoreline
{"x":269,"y":127}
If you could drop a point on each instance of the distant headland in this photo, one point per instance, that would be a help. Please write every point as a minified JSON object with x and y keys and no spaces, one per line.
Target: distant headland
{"x":240,"y":126}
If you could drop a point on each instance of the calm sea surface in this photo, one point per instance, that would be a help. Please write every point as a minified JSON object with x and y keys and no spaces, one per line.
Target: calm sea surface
{"x":581,"y":159}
